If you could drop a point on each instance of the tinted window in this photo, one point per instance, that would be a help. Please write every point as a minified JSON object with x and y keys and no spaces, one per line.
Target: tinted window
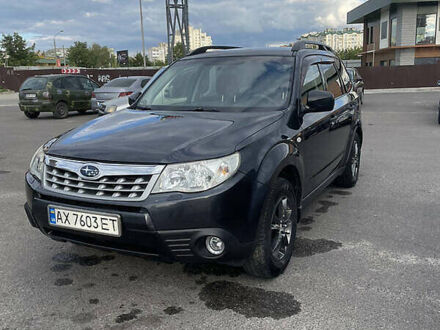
{"x":344,"y":75}
{"x":330,"y":74}
{"x":144,"y":82}
{"x":34,"y":83}
{"x":58,"y":83}
{"x":312,"y":81}
{"x":71,"y":83}
{"x":120,"y":82}
{"x":393,"y":32}
{"x":85,"y":84}
{"x":224,"y":83}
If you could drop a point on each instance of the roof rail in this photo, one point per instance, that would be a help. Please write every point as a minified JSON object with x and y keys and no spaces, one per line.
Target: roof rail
{"x":302,"y":44}
{"x":203,"y":50}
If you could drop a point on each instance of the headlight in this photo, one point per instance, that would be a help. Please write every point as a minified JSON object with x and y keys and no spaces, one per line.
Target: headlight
{"x":37,"y":163}
{"x":111,"y":109}
{"x":197,"y":176}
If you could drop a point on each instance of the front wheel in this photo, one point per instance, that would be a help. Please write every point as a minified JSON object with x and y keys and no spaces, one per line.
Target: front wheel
{"x":32,"y":114}
{"x":349,"y":177}
{"x":275,"y":233}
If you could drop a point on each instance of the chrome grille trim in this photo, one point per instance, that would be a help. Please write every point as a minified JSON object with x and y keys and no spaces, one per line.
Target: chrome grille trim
{"x":117,"y":182}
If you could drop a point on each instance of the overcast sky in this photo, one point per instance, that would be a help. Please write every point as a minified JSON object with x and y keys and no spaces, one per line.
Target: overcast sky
{"x":116,"y":23}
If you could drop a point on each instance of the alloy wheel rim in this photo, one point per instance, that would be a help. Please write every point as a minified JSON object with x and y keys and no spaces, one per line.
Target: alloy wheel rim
{"x":281,"y":227}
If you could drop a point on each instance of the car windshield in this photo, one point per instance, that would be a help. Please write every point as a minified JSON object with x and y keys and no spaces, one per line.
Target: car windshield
{"x":35,"y":83}
{"x":258,"y":83}
{"x":120,"y":82}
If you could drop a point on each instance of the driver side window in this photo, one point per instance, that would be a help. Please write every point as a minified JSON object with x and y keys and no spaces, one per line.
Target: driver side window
{"x":312,"y":81}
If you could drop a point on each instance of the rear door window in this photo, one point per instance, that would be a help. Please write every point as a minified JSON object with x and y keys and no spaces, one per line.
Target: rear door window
{"x":332,"y":80}
{"x":344,"y":75}
{"x":58,"y":83}
{"x":72,"y":83}
{"x":85,"y":84}
{"x":35,"y":83}
{"x":312,"y":81}
{"x":144,"y":82}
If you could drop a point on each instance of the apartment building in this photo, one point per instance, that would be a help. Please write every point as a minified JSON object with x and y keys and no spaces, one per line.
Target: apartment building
{"x":346,"y":38}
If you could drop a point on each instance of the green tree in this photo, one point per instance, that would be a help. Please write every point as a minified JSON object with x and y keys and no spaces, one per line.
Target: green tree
{"x":15,"y":47}
{"x":158,"y":63}
{"x":138,"y":60}
{"x":178,"y":50}
{"x":350,"y":54}
{"x":99,"y":57}
{"x":79,"y":54}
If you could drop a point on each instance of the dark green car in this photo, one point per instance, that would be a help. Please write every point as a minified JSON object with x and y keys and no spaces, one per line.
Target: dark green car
{"x":57,"y":93}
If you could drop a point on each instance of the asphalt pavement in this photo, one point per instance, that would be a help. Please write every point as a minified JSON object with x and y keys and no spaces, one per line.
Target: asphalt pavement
{"x":365,"y":258}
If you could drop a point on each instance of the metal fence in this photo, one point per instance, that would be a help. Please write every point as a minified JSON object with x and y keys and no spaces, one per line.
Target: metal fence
{"x":384,"y":77}
{"x":12,"y":78}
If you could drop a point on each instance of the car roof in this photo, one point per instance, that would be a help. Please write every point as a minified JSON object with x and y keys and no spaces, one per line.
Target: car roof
{"x":275,"y":51}
{"x":134,"y":77}
{"x":58,"y":75}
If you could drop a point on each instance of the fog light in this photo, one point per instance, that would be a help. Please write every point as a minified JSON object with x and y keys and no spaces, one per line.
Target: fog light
{"x":215,"y":245}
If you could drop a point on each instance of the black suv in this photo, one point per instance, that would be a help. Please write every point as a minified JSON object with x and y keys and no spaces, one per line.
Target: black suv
{"x":213,"y":162}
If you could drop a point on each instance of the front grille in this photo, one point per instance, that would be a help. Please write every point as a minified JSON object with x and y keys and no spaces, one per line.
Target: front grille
{"x":114,"y":182}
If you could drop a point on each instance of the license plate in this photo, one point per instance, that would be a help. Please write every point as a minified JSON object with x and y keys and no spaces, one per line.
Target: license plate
{"x":31,"y":96}
{"x":98,"y":223}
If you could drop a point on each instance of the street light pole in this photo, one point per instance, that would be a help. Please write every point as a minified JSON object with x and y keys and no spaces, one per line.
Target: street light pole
{"x":54,"y":43}
{"x":142,"y":32}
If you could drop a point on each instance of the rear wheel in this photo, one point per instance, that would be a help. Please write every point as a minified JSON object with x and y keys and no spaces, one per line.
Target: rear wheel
{"x":32,"y":114}
{"x":61,"y":110}
{"x":349,"y":177}
{"x":275,"y":233}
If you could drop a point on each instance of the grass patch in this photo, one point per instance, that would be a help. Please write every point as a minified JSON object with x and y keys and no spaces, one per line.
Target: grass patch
{"x":3,"y":89}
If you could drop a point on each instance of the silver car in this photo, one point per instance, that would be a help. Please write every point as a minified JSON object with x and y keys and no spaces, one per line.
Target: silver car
{"x":119,"y":87}
{"x":122,"y":103}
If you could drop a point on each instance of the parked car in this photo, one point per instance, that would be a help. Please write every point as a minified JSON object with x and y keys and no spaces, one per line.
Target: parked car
{"x":358,"y":83}
{"x":214,"y":162}
{"x":122,"y":103}
{"x":57,"y":93}
{"x":119,"y":87}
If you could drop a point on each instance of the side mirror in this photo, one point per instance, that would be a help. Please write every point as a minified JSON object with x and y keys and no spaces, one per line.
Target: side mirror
{"x":133,"y":97}
{"x":320,"y":101}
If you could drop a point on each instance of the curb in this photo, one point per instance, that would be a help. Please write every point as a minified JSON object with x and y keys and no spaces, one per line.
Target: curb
{"x":402,"y":90}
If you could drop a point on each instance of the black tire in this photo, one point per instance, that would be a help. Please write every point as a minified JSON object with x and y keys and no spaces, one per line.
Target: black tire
{"x":61,"y":110}
{"x":32,"y":114}
{"x":349,"y":177}
{"x":81,"y":112}
{"x":266,"y":260}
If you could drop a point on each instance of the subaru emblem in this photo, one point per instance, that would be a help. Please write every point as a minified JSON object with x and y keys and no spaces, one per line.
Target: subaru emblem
{"x":89,"y":171}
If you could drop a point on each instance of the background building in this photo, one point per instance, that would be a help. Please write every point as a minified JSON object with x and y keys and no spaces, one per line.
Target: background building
{"x":158,"y":53}
{"x":197,"y":38}
{"x":398,"y":32}
{"x":346,"y":38}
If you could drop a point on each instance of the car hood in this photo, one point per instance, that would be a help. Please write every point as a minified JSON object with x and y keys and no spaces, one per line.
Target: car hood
{"x":162,"y":137}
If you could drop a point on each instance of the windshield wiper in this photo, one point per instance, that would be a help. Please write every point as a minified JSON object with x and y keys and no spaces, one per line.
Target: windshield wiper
{"x":143,"y":108}
{"x":201,"y":109}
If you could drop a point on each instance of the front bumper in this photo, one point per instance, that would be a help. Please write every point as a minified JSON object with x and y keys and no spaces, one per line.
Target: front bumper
{"x":169,"y":226}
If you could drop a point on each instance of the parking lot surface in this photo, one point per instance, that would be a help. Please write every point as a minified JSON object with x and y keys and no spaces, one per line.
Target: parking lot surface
{"x":365,"y":258}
